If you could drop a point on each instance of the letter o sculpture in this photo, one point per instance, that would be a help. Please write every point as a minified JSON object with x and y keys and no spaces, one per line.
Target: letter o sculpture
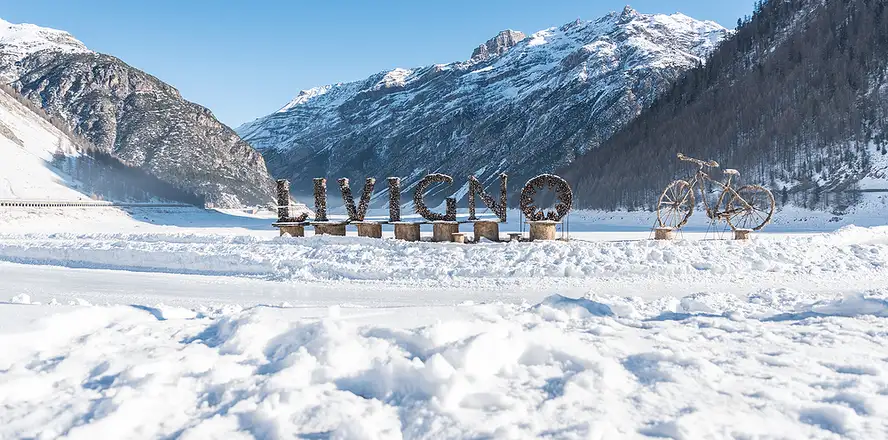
{"x":563,"y":194}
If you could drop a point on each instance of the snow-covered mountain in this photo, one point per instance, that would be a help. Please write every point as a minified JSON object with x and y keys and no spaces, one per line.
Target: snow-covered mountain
{"x":132,"y":115}
{"x":521,"y":105}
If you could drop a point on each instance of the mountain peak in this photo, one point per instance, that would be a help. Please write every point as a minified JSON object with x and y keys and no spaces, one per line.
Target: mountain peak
{"x":628,"y":14}
{"x":18,"y":41}
{"x":26,"y":39}
{"x":502,"y":42}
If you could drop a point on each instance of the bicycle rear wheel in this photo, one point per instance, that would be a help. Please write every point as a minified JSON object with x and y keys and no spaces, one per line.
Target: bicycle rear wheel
{"x":676,"y":205}
{"x":751,"y":208}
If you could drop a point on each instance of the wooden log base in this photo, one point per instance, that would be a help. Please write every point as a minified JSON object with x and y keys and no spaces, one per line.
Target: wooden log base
{"x":542,"y":230}
{"x":459,"y":237}
{"x":369,"y":229}
{"x":664,"y":234}
{"x":486,"y":229}
{"x":407,"y":231}
{"x":443,"y":231}
{"x":742,"y":234}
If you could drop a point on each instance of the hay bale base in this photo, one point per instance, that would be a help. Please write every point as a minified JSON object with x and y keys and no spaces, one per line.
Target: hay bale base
{"x":442,"y":231}
{"x":664,"y":234}
{"x":459,"y":237}
{"x":542,"y":230}
{"x":407,"y":231}
{"x":369,"y":229}
{"x":742,"y":234}
{"x":486,"y":229}
{"x":337,"y":229}
{"x":292,"y":231}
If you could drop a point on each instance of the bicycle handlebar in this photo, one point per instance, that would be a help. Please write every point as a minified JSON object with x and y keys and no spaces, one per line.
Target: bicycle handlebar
{"x":711,"y":163}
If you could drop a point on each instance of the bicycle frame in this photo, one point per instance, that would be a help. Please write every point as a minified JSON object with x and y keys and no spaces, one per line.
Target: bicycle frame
{"x":698,"y":181}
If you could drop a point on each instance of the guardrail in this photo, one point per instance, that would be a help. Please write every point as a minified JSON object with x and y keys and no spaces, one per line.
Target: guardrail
{"x":85,"y":204}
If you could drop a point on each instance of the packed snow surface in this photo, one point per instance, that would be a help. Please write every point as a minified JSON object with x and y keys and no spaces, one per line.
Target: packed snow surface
{"x":199,"y":324}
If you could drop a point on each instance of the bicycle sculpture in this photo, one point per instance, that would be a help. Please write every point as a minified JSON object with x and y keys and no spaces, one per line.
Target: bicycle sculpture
{"x":749,"y":207}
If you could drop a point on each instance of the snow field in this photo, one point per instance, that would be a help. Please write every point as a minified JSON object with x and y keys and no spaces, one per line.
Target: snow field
{"x":344,"y":337}
{"x":776,"y":365}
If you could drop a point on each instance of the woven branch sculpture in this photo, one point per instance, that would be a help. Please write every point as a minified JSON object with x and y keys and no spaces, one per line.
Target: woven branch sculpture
{"x":394,"y":199}
{"x":283,"y":204}
{"x":499,"y":209}
{"x":420,"y":205}
{"x":320,"y":196}
{"x":563,"y":193}
{"x":356,"y":214}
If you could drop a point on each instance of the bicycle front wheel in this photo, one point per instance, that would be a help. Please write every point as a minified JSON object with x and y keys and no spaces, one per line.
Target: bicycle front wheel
{"x":751,"y":208}
{"x":676,"y":205}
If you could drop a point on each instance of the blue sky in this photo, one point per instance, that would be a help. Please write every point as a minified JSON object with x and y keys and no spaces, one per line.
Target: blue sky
{"x":245,"y":59}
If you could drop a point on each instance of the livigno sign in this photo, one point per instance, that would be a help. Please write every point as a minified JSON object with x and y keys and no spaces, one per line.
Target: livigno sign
{"x":357,"y":213}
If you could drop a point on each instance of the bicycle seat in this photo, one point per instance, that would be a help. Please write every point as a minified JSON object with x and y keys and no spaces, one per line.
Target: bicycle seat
{"x":731,"y":171}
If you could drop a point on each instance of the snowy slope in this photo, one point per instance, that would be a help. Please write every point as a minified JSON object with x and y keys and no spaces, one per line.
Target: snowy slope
{"x":552,"y":95}
{"x":27,"y":144}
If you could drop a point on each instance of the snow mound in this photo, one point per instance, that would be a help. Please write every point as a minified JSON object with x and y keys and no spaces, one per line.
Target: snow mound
{"x":764,"y":304}
{"x":870,"y":303}
{"x":22,"y":298}
{"x":163,"y":312}
{"x":579,"y":307}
